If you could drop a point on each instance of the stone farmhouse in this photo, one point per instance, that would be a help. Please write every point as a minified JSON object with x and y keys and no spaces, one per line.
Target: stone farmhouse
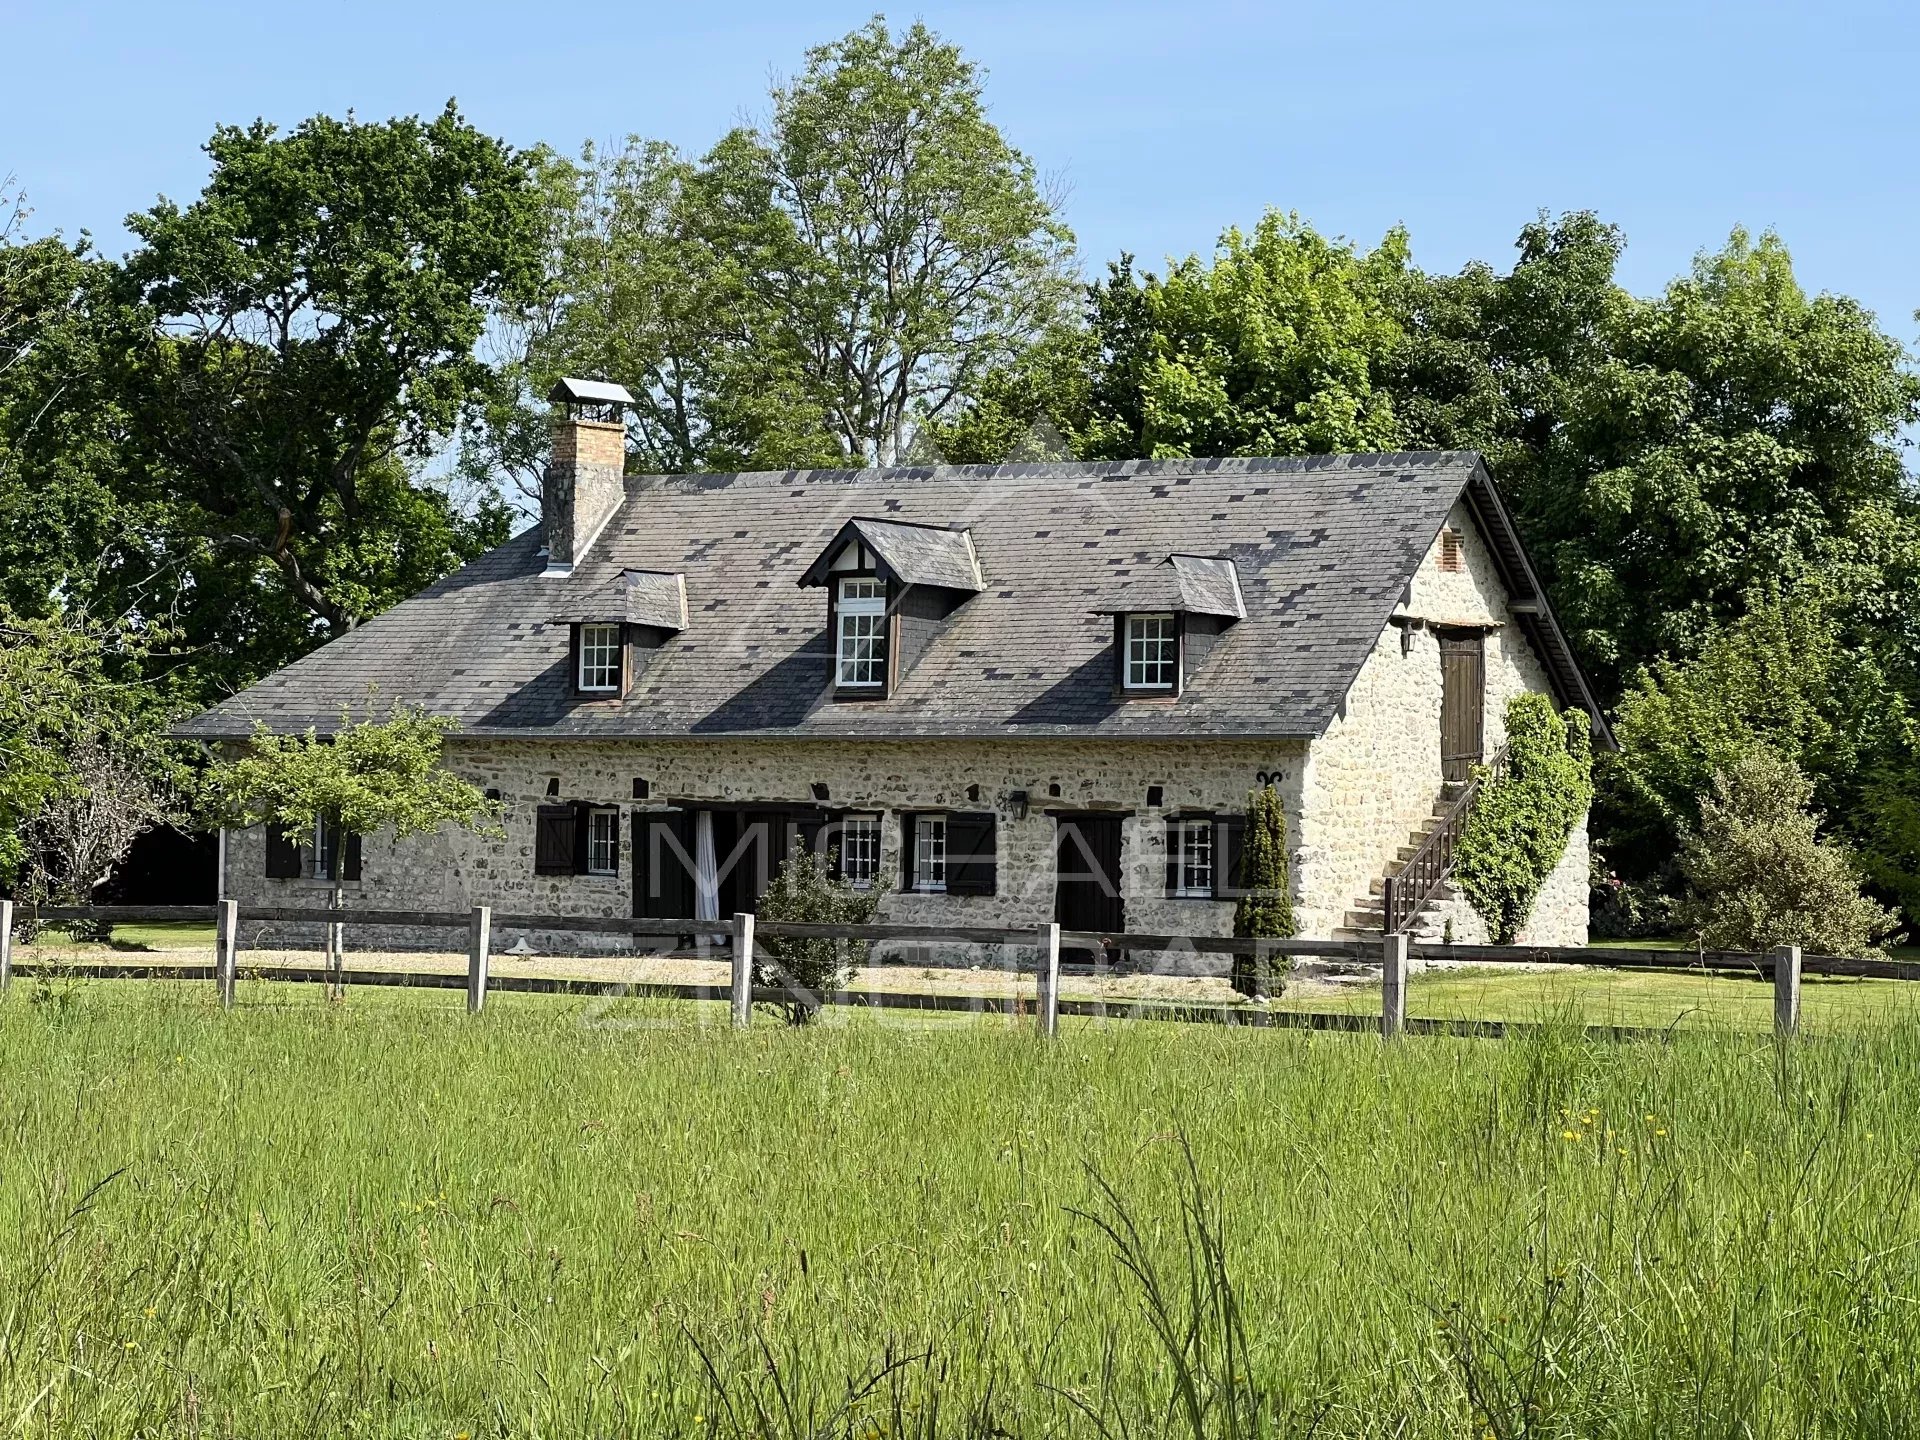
{"x":1003,"y":695}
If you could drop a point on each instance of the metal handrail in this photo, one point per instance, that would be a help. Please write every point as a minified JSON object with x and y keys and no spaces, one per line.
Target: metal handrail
{"x":1413,"y":884}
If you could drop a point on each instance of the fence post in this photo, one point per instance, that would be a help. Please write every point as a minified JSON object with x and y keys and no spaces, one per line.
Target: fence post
{"x":226,"y":942}
{"x":1049,"y":979}
{"x":1786,"y":989}
{"x":1395,"y":948}
{"x":6,"y":945}
{"x":742,"y":971}
{"x":479,"y":951}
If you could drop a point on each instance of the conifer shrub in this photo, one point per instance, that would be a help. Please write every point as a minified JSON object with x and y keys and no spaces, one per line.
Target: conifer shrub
{"x":1265,"y":881}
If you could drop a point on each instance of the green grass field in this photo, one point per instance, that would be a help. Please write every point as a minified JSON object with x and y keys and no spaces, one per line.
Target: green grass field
{"x":569,"y":1218}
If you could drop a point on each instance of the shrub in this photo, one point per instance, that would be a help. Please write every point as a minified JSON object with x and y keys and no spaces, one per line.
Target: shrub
{"x":1518,"y":828}
{"x":1758,"y":874}
{"x":806,"y":892}
{"x":1265,"y":881}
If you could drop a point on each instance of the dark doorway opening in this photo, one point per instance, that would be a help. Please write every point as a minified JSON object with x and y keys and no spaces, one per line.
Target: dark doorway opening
{"x":1087,"y":876}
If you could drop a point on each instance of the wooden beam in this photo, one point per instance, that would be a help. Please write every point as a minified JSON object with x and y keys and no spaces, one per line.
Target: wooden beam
{"x":1049,"y":980}
{"x":1394,"y":954}
{"x":1786,"y":990}
{"x":479,"y":956}
{"x":226,"y":944}
{"x":742,"y":971}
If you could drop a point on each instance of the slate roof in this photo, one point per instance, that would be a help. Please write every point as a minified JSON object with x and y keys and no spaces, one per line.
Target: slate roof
{"x":1323,"y":546}
{"x":634,"y":597}
{"x":1188,"y":584}
{"x":910,"y":553}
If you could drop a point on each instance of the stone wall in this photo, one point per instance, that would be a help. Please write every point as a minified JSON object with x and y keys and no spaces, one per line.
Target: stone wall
{"x":1373,"y":778}
{"x":453,"y":871}
{"x":583,"y":486}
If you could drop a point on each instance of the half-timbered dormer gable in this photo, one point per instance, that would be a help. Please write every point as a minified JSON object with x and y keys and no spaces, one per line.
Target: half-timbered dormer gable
{"x":891,"y":587}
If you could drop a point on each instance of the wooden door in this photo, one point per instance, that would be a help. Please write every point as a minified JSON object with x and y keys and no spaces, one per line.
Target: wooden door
{"x":1463,"y":694}
{"x":1086,"y":886}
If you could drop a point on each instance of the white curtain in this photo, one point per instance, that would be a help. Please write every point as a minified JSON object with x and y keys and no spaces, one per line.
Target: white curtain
{"x":706,"y":869}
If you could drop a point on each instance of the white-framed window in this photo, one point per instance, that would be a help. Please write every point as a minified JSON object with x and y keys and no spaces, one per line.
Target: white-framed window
{"x":1153,"y":652}
{"x":861,"y":646}
{"x":603,"y":841}
{"x":600,"y":657}
{"x":930,"y":854}
{"x":860,"y":850}
{"x":1194,"y":839}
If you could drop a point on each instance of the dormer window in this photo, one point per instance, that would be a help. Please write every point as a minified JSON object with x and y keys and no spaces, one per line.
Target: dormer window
{"x":862,"y":642}
{"x":891,"y":586}
{"x":599,"y":672}
{"x":1152,"y":652}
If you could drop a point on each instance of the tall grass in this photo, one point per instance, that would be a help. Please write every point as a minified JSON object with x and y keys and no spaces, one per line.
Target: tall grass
{"x":388,"y":1219}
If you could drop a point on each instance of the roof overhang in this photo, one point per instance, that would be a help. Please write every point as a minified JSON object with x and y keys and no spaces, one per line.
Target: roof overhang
{"x":1527,"y":601}
{"x":935,"y":555}
{"x":632,"y":597}
{"x":1179,"y":584}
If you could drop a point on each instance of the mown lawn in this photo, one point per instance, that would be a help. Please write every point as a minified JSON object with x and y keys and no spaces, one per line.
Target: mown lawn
{"x":581,"y":1218}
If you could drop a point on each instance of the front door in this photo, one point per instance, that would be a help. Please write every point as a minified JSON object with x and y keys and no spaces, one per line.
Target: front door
{"x":1463,"y":690}
{"x":1086,"y":886}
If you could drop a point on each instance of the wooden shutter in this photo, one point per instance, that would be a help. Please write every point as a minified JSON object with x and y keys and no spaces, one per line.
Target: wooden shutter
{"x":1229,"y":841}
{"x":573,"y":658}
{"x":555,"y":830}
{"x":581,"y":821}
{"x":350,"y":858}
{"x":972,"y":861}
{"x":663,"y":865}
{"x":1173,"y":857}
{"x":283,"y":856}
{"x":908,"y":821}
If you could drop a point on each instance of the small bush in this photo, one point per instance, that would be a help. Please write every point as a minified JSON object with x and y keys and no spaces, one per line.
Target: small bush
{"x":1265,"y":906}
{"x":1758,"y":874}
{"x":806,"y":892}
{"x":1519,"y":825}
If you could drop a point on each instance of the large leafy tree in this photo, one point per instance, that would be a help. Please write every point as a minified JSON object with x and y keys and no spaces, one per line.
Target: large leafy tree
{"x":297,"y":342}
{"x":819,"y":288}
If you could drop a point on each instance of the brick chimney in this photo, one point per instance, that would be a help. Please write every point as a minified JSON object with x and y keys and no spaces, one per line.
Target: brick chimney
{"x":585,"y":481}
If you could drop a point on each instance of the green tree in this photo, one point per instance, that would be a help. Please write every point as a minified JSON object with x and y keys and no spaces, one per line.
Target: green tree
{"x":84,"y":766}
{"x":806,"y":892}
{"x":1519,"y":825}
{"x":1795,"y":675}
{"x":1758,"y":874}
{"x":817,"y":288}
{"x":294,"y":345}
{"x":366,"y":777}
{"x":1264,"y":908}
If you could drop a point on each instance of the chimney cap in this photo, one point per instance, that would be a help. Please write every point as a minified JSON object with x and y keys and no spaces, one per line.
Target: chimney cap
{"x":588,"y":392}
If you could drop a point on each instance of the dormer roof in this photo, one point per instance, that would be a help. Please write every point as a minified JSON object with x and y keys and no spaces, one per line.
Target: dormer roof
{"x":629,"y":597}
{"x":906,"y":552}
{"x":568,"y":390}
{"x":1180,"y":585}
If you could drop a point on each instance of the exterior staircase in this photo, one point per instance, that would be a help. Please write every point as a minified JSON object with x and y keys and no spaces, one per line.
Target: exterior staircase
{"x":1366,"y":918}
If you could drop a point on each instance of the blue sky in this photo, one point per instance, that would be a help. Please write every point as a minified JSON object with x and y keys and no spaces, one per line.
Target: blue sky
{"x":1678,"y":121}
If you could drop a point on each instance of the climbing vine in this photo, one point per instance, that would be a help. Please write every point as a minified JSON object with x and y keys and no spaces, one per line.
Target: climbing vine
{"x":1265,"y":881}
{"x":1518,"y":828}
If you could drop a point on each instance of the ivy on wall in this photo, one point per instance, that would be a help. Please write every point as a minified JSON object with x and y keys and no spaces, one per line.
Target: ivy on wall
{"x":1265,"y":906}
{"x":1519,"y":825}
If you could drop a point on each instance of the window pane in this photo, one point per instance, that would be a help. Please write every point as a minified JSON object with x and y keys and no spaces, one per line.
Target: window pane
{"x":930,"y":853}
{"x":860,"y":850}
{"x":861,"y":645}
{"x":599,"y":657}
{"x":1153,"y":651}
{"x":1196,"y":857}
{"x":603,"y":842}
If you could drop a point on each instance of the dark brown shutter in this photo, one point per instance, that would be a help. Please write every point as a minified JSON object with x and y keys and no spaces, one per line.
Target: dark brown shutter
{"x":283,"y":856}
{"x":908,"y":820}
{"x":1173,"y":857}
{"x":581,"y":811}
{"x":663,"y":865}
{"x":1229,"y":840}
{"x":554,"y":832}
{"x":971,"y":859}
{"x":1120,"y":652}
{"x":573,"y":658}
{"x":350,"y":858}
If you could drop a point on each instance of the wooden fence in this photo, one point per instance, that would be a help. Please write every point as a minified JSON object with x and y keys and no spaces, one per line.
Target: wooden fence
{"x":741,"y":937}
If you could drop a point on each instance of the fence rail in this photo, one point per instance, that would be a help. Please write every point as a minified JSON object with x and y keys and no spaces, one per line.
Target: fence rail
{"x":741,"y":937}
